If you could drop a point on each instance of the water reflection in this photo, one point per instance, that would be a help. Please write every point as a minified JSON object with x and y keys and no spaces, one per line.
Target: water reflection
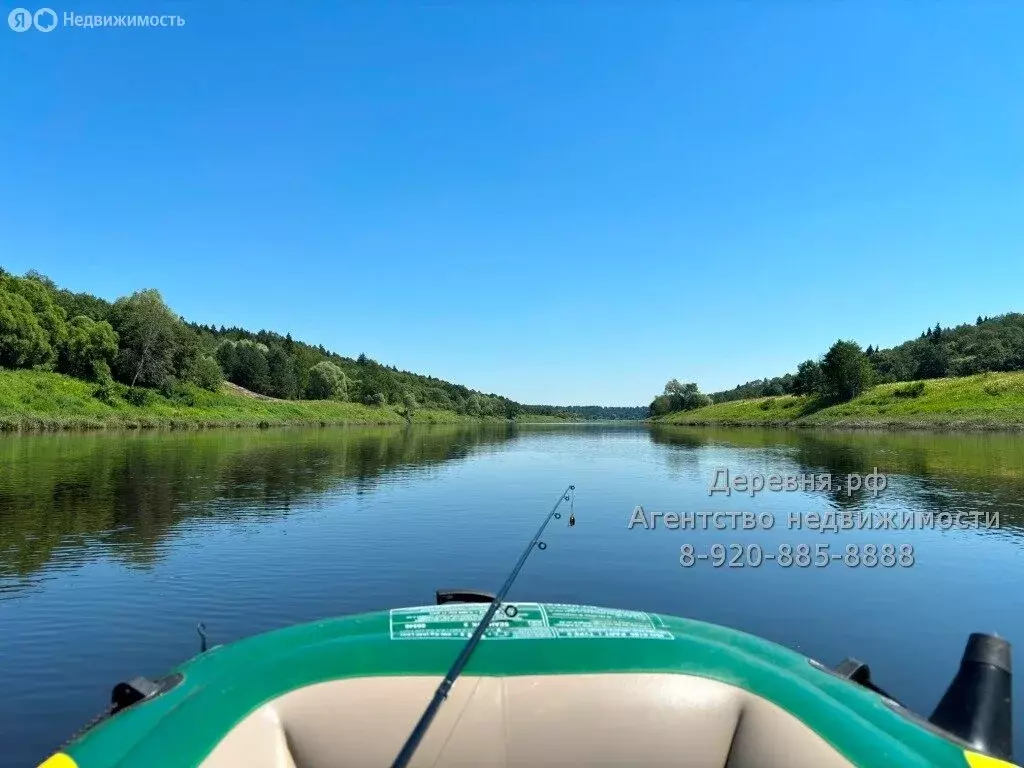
{"x":62,"y":497}
{"x":937,"y":473}
{"x":113,"y":546}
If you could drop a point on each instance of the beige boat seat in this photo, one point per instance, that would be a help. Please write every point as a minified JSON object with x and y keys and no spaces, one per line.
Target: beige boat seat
{"x":558,"y":720}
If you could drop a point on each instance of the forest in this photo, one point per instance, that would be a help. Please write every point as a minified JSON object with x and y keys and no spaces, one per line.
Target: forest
{"x":590,"y":412}
{"x":990,"y":344}
{"x":137,"y":345}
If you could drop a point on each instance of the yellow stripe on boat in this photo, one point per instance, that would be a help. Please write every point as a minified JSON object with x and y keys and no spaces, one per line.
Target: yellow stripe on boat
{"x":976,"y":760}
{"x":59,"y":760}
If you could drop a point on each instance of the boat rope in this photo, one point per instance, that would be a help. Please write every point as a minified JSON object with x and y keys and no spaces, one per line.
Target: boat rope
{"x":409,"y":748}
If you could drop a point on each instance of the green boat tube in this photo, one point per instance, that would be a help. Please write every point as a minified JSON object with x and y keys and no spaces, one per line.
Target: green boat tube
{"x":547,"y":685}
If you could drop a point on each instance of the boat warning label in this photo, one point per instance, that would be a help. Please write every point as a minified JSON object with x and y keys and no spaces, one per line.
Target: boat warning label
{"x":528,"y":621}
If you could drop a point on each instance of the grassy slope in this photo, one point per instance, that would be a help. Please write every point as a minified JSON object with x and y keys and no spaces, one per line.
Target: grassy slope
{"x":38,"y":400}
{"x":985,"y":401}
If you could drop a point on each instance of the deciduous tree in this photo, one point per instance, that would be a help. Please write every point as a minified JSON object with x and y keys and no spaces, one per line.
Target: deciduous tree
{"x":23,"y":341}
{"x":281,"y":374}
{"x":146,"y":329}
{"x":846,"y":371}
{"x":808,"y":379}
{"x":89,"y":349}
{"x":326,"y":382}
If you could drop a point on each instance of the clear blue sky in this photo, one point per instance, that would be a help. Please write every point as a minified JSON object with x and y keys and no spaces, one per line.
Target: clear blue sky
{"x":558,"y":202}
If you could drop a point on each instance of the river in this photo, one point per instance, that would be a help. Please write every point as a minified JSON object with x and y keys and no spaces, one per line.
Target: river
{"x":114,"y":546}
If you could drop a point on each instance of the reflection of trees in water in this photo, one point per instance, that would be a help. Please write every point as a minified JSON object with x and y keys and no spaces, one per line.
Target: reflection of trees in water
{"x":686,"y":445}
{"x":126,"y":493}
{"x":931,"y":472}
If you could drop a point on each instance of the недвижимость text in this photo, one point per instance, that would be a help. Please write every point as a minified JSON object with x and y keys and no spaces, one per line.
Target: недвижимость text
{"x":830,"y":521}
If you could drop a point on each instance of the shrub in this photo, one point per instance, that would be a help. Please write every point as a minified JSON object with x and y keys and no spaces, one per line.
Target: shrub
{"x":208,"y":374}
{"x":913,"y":389}
{"x":107,"y":391}
{"x":169,"y":386}
{"x":101,"y":372}
{"x":326,"y":382}
{"x":178,"y":392}
{"x":137,"y":396}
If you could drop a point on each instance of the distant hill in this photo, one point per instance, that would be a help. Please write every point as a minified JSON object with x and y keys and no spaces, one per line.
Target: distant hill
{"x":138,"y":343}
{"x":989,"y":344}
{"x":985,"y":401}
{"x":590,"y":412}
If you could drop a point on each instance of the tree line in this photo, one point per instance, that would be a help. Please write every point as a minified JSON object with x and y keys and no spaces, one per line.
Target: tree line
{"x":590,"y":412}
{"x":279,"y":366}
{"x":127,"y":347}
{"x":846,"y":370}
{"x":137,"y":345}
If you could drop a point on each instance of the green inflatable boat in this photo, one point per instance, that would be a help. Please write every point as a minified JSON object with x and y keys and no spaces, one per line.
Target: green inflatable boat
{"x":477,"y":682}
{"x":549,"y":685}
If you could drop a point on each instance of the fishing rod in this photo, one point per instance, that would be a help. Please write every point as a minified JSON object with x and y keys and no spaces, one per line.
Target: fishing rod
{"x":463,"y":658}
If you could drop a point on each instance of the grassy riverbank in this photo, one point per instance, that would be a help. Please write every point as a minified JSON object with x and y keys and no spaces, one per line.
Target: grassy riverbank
{"x":983,"y":402}
{"x":43,"y":401}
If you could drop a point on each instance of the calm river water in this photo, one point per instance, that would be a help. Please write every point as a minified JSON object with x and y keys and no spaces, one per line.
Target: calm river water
{"x":113,"y":547}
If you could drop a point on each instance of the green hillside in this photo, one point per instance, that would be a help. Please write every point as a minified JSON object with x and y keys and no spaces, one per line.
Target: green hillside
{"x":982,"y":401}
{"x":74,"y":360}
{"x":43,"y":400}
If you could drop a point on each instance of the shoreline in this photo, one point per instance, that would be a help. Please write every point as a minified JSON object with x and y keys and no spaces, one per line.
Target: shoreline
{"x":33,"y":402}
{"x":987,"y":402}
{"x":35,"y":424}
{"x":28,"y":423}
{"x":867,"y":426}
